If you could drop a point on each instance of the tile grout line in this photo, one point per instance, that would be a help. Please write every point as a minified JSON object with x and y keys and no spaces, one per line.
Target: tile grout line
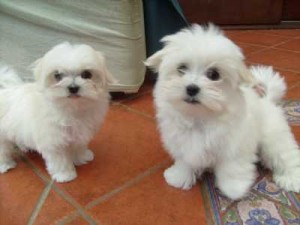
{"x":68,"y":218}
{"x":40,"y":203}
{"x":284,"y":49}
{"x":266,"y":31}
{"x":256,"y":52}
{"x":297,"y":84}
{"x":115,"y":191}
{"x":126,"y":185}
{"x":65,"y":196}
{"x":128,"y":108}
{"x":266,"y":47}
{"x":75,"y":204}
{"x":34,"y":168}
{"x":287,"y":70}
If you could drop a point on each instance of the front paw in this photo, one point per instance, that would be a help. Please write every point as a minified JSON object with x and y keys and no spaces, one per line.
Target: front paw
{"x":83,"y":157}
{"x":288,"y":181}
{"x":235,"y":189}
{"x":64,"y":176}
{"x":180,"y":177}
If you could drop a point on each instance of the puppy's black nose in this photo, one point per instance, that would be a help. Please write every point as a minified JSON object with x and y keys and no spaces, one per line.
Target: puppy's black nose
{"x":192,"y":89}
{"x":73,"y":89}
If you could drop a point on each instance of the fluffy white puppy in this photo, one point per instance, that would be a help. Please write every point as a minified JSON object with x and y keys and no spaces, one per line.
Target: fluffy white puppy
{"x":58,"y":113}
{"x":209,"y":115}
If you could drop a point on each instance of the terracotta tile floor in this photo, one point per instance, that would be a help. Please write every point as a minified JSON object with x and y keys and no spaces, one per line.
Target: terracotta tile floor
{"x":124,"y":184}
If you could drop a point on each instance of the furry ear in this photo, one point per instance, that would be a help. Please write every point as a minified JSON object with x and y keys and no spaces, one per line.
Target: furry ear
{"x":245,"y":75}
{"x":36,"y":67}
{"x":109,"y":78}
{"x":154,"y":61}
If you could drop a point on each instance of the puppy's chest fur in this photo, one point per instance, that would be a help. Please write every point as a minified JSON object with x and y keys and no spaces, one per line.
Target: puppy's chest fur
{"x":73,"y":130}
{"x":193,"y":136}
{"x":200,"y":143}
{"x":31,"y":122}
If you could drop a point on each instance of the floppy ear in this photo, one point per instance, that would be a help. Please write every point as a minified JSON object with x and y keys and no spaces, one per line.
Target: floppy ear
{"x":154,"y":61}
{"x":36,"y":67}
{"x":109,"y":78}
{"x":245,"y":75}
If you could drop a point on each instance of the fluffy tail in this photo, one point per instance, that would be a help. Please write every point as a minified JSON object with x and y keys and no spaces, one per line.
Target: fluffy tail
{"x":8,"y":77}
{"x":271,"y":80}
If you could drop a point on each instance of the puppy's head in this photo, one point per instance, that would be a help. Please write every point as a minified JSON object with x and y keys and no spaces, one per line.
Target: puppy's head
{"x":73,"y":72}
{"x":199,"y":69}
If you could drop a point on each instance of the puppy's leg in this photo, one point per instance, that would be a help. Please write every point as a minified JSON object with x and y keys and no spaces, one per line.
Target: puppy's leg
{"x":81,"y":155}
{"x":280,"y":152}
{"x":180,"y":175}
{"x":60,"y":165}
{"x":234,"y":177}
{"x":6,"y":159}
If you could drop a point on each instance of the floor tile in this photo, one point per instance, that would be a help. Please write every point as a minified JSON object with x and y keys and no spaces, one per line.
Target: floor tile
{"x":279,"y":58}
{"x":292,"y":45}
{"x":291,"y":78}
{"x":78,"y":221}
{"x":284,"y":32}
{"x":256,"y":37}
{"x":127,"y":145}
{"x":142,"y":103}
{"x":53,"y":209}
{"x":152,"y":201}
{"x":249,"y":49}
{"x":20,"y":190}
{"x":296,"y":132}
{"x":293,"y":93}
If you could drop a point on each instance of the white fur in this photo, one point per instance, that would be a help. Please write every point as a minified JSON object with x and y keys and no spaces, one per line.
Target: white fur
{"x":44,"y":116}
{"x":226,"y":129}
{"x":275,"y":85}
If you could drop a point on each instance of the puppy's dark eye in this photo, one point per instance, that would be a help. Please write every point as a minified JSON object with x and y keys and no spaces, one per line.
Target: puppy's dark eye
{"x":86,"y":74}
{"x":182,"y":68}
{"x":213,"y":74}
{"x":58,"y":76}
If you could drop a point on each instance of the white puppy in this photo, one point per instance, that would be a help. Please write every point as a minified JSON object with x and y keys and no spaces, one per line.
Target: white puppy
{"x":58,"y":114}
{"x":209,"y":115}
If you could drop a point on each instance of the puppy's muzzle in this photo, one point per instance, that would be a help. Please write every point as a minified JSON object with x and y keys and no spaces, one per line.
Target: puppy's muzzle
{"x":73,"y":89}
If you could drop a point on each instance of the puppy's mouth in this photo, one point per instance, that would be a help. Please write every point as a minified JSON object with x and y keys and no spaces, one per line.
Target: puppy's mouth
{"x":74,"y":96}
{"x":192,"y":101}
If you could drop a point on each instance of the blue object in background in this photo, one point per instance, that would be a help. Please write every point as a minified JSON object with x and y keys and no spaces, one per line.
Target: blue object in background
{"x":162,"y":17}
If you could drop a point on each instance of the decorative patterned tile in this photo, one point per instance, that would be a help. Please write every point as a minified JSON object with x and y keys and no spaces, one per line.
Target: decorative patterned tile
{"x":262,"y":212}
{"x":265,"y":204}
{"x":292,"y":111}
{"x":270,"y":189}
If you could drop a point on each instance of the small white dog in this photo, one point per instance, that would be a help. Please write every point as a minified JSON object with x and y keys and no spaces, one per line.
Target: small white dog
{"x":210,"y":116}
{"x":58,"y":114}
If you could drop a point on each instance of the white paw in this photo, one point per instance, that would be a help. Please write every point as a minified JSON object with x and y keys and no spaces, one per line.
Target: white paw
{"x":235,"y":189}
{"x":288,"y":181}
{"x":64,"y":176}
{"x":180,"y":177}
{"x":83,"y":157}
{"x":5,"y":166}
